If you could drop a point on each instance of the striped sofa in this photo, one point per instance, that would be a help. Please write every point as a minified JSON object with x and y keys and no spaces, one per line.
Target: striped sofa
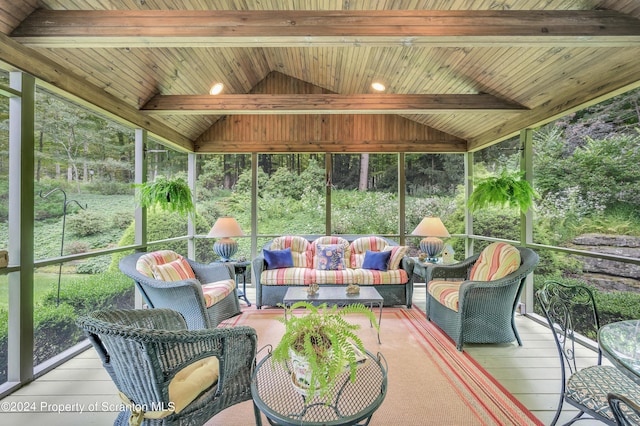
{"x":334,"y":261}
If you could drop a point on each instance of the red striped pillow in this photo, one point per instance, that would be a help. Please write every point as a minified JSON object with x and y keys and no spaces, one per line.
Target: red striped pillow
{"x":176,"y":270}
{"x":496,"y":261}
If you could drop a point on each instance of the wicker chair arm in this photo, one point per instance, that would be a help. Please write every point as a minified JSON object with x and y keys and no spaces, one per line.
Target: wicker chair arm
{"x":408,"y":264}
{"x":458,"y":270}
{"x":211,"y":273}
{"x":258,"y":265}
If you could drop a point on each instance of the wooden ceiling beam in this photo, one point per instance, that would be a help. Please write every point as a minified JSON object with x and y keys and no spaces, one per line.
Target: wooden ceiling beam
{"x":337,"y":146}
{"x":58,"y":78}
{"x":325,"y":104}
{"x":287,"y":28}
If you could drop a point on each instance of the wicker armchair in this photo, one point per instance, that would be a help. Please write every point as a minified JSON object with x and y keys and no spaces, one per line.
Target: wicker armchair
{"x":167,"y":374}
{"x":485,"y":309}
{"x":185,"y":295}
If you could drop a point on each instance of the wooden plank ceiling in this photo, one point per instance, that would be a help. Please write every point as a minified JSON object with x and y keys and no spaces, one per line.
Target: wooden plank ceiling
{"x":460,"y":75}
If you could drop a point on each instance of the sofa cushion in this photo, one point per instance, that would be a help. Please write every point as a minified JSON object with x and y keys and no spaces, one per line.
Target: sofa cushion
{"x":329,"y":257}
{"x":345,"y":276}
{"x":216,"y":291}
{"x":278,"y":258}
{"x":192,"y":380}
{"x":159,"y":257}
{"x":373,"y":277}
{"x":445,"y":292}
{"x":300,"y":249}
{"x":378,"y":260}
{"x":176,"y":270}
{"x":496,"y":261}
{"x":397,"y":253}
{"x":288,"y":276}
{"x":331,"y":240}
{"x":359,"y":248}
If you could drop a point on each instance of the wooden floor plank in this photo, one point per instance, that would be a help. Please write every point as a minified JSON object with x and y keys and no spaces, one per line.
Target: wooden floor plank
{"x":530,"y":372}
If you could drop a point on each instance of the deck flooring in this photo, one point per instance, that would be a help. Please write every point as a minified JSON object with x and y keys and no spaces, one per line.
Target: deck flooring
{"x":80,"y":392}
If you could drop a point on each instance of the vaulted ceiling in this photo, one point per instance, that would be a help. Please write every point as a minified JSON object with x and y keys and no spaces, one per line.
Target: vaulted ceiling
{"x":460,"y":75}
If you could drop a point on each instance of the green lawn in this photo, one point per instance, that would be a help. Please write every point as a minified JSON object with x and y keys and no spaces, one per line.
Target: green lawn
{"x":43,"y":283}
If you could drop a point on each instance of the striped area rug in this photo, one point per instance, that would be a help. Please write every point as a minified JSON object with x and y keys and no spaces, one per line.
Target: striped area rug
{"x":429,"y":381}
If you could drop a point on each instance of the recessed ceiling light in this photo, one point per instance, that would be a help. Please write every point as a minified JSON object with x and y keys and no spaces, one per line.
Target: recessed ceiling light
{"x":216,"y":89}
{"x":377,"y":86}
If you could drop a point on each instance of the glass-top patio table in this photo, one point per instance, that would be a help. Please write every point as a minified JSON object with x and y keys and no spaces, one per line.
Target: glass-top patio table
{"x":367,"y":296}
{"x":620,"y":343}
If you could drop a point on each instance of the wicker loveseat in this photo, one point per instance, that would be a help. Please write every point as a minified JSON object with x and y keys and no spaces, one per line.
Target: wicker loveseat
{"x":348,"y":263}
{"x":474,"y":301}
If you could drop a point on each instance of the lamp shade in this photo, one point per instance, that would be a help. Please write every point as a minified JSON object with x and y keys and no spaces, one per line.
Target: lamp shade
{"x":224,"y":228}
{"x":431,"y":228}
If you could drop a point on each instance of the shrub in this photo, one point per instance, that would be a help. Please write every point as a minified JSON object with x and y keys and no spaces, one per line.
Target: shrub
{"x":55,"y":331}
{"x":94,"y":265}
{"x":95,"y":292}
{"x":122,"y":220}
{"x":87,"y":222}
{"x":76,"y":247}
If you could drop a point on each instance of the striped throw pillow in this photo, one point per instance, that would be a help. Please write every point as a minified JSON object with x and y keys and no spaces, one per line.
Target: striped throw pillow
{"x":176,"y":270}
{"x":496,"y":261}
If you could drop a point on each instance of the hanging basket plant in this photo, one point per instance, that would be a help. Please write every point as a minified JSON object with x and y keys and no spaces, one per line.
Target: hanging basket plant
{"x":508,"y":189}
{"x":169,"y":194}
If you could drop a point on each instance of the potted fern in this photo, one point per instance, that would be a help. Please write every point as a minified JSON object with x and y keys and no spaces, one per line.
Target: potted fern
{"x":169,"y":194}
{"x":321,"y":345}
{"x":508,"y":189}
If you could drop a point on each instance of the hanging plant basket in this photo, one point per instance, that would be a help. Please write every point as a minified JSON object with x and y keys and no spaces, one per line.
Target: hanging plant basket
{"x":169,"y":194}
{"x":508,"y":189}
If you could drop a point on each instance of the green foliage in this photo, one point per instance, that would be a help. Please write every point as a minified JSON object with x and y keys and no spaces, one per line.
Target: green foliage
{"x":505,"y":190}
{"x":326,"y":339}
{"x":87,"y":294}
{"x":284,"y":183}
{"x":87,"y":222}
{"x":163,"y":225}
{"x":173,"y":195}
{"x":75,"y":247}
{"x":612,"y":306}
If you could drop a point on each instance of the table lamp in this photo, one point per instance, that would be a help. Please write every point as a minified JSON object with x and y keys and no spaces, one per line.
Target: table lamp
{"x":224,"y":228}
{"x":431,"y":228}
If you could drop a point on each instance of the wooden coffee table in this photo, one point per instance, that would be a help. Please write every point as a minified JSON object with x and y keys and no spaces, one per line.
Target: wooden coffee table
{"x":336,"y":296}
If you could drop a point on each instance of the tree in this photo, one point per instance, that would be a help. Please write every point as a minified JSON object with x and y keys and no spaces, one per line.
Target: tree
{"x":364,"y":172}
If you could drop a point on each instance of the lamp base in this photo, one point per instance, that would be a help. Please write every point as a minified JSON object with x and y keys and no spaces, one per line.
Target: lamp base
{"x":225,"y":248}
{"x":432,"y":246}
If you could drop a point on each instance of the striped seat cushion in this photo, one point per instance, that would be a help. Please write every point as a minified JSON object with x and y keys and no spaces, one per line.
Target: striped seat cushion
{"x":344,"y":276}
{"x":216,"y":291}
{"x":288,"y":276}
{"x":373,"y":277}
{"x":300,"y":249}
{"x":445,"y":292}
{"x":496,"y":261}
